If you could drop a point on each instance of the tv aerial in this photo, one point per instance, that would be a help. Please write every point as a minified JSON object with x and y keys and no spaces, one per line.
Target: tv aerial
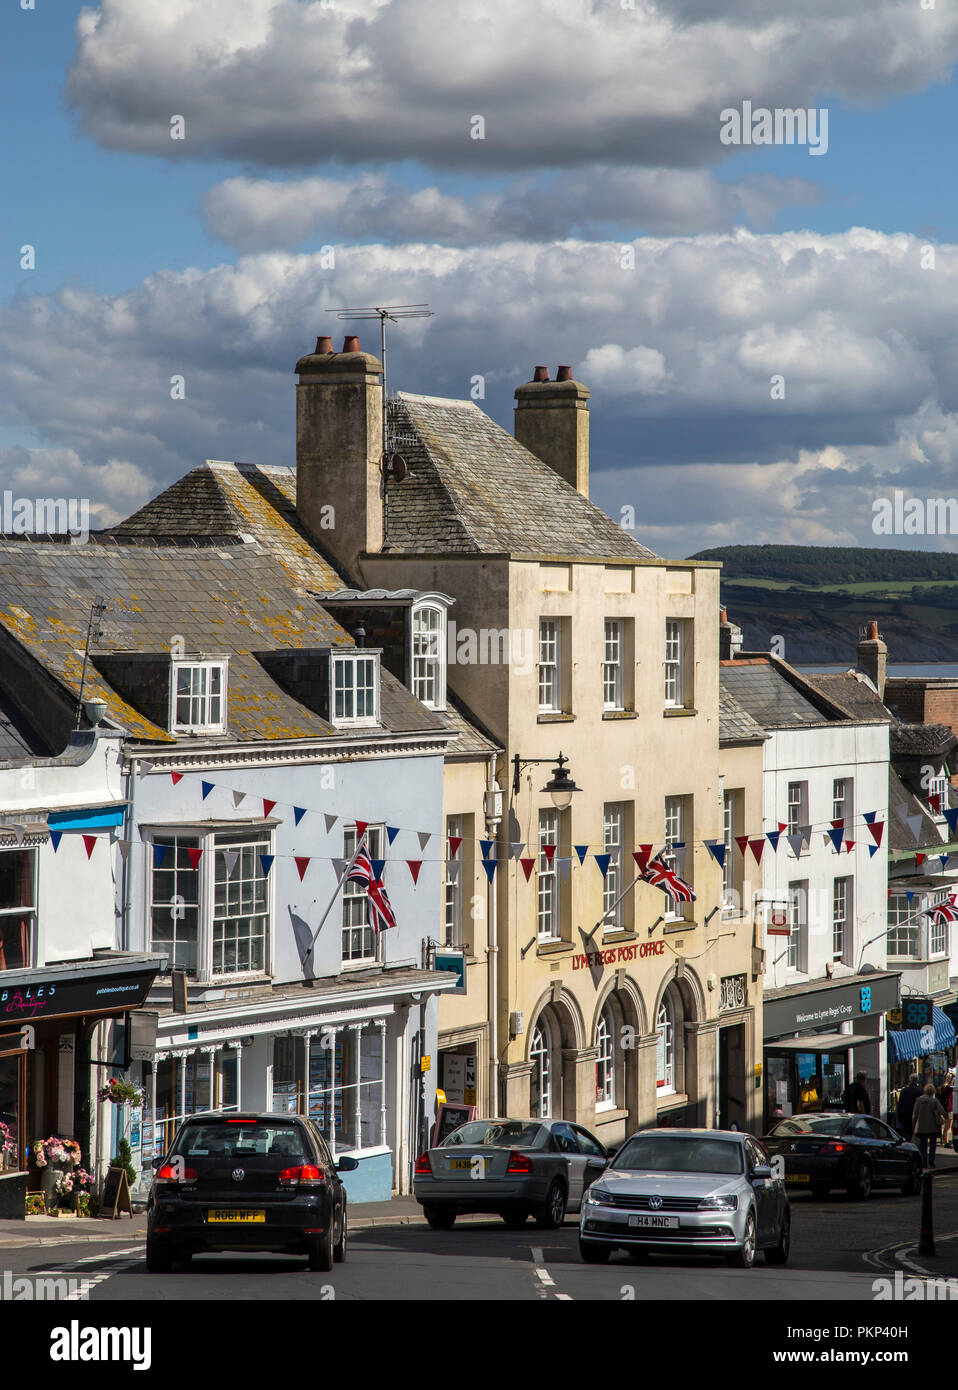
{"x":392,"y":463}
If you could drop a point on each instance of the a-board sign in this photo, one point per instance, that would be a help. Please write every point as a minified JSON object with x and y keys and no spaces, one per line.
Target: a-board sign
{"x":450,"y":1117}
{"x":116,"y":1194}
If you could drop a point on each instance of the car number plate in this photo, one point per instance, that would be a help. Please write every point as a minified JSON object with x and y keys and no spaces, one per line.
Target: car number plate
{"x":797,"y":1177}
{"x":220,"y":1214}
{"x":467,"y":1163}
{"x":670,"y":1223}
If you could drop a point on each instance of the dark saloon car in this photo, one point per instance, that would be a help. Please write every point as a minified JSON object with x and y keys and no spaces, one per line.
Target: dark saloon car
{"x":857,"y":1152}
{"x":247,"y":1182}
{"x":511,"y":1168}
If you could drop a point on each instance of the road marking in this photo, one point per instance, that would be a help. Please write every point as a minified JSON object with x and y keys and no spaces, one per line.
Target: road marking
{"x":544,"y":1277}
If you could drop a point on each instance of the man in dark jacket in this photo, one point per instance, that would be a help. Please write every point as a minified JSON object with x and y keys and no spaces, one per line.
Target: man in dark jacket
{"x":906,"y":1104}
{"x":855,"y":1097}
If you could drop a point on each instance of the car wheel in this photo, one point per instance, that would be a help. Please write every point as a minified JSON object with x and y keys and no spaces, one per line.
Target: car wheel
{"x":820,"y":1190}
{"x":778,"y":1255}
{"x":861,"y":1185}
{"x":912,"y":1184}
{"x":339,"y":1249}
{"x":516,"y":1219}
{"x":552,"y":1215}
{"x":439,"y":1219}
{"x":745,"y":1257}
{"x":593,"y":1253}
{"x":321,"y":1253}
{"x":159,"y":1258}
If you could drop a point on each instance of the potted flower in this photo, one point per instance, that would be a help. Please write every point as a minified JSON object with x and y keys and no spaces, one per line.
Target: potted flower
{"x":120,"y":1092}
{"x":8,"y":1147}
{"x":55,"y":1156}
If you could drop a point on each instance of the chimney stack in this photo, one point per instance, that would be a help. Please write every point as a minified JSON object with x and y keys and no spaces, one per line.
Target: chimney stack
{"x":873,"y":658}
{"x":339,"y":444}
{"x":552,"y":422}
{"x":730,"y":637}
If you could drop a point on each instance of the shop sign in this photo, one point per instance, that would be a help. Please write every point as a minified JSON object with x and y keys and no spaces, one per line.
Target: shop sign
{"x":88,"y":993}
{"x":615,"y":954}
{"x":821,"y":1008}
{"x":917,"y":1013}
{"x":455,"y":963}
{"x":734,"y":993}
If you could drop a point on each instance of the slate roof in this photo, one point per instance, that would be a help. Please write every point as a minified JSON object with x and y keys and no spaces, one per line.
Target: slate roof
{"x":902,"y":803}
{"x":922,"y":740}
{"x":736,"y":725}
{"x":763,"y":692}
{"x":854,"y":692}
{"x":472,"y":488}
{"x":232,"y":601}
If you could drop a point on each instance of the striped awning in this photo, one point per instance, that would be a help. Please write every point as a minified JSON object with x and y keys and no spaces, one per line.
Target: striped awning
{"x":905,"y":1043}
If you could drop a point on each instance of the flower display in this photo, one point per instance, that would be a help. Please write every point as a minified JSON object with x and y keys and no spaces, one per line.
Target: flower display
{"x":121,"y":1092}
{"x":56,"y":1150}
{"x":7,"y":1141}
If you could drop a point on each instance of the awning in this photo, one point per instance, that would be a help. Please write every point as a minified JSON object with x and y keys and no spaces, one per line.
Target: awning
{"x":822,"y":1042}
{"x":905,"y":1043}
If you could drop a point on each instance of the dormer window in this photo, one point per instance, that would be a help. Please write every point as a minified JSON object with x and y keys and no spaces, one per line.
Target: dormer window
{"x":355,"y":689}
{"x":429,"y":655}
{"x":198,"y":697}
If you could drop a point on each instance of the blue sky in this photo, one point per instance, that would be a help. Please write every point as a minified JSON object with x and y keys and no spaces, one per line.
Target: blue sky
{"x":119,"y":215}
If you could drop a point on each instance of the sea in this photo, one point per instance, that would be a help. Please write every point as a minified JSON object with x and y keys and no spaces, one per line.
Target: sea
{"x":927,"y":668}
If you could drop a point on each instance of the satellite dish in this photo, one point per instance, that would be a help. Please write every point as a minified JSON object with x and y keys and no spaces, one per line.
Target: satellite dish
{"x":395,"y":466}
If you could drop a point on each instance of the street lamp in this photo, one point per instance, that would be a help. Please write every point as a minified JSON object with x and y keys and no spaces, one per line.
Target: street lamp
{"x":560,"y":785}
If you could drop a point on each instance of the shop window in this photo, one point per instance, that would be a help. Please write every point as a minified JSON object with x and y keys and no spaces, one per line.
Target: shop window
{"x":605,"y":1062}
{"x":346,"y":1080}
{"x":540,"y":1055}
{"x":211,"y":919}
{"x":16,"y":909}
{"x":359,"y":939}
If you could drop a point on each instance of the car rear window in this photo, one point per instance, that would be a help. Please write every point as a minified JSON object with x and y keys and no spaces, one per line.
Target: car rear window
{"x":224,"y":1140}
{"x":817,"y":1124}
{"x":663,"y":1154}
{"x":494,"y":1134}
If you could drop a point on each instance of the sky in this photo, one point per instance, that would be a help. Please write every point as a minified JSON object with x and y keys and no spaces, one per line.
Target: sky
{"x":767,"y":330}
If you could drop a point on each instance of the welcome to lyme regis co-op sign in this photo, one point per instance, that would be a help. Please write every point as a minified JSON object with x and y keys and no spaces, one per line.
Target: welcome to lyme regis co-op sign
{"x":804,"y":1011}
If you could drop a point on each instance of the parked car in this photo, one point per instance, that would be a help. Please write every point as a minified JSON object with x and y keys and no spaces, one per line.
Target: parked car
{"x":703,"y":1190}
{"x":247,"y":1182}
{"x":513,"y":1168}
{"x":857,"y":1152}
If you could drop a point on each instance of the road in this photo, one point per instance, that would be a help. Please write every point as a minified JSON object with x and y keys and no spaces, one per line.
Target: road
{"x":839,"y":1248}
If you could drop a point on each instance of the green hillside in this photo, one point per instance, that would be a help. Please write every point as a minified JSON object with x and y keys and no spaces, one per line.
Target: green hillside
{"x":823,"y":565}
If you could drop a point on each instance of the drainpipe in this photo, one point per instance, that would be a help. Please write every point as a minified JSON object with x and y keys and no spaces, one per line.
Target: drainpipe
{"x":492,"y":946}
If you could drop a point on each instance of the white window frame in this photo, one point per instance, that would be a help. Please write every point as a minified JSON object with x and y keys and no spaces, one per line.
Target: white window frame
{"x":938,"y":785}
{"x":452,"y":902}
{"x":28,"y":910}
{"x":550,"y":666}
{"x":665,"y":1049}
{"x":843,"y":894}
{"x":261,"y":840}
{"x":674,"y":831}
{"x":548,"y":905}
{"x":613,"y":844}
{"x":938,"y":934}
{"x":796,"y":813}
{"x":428,"y":655}
{"x":674,"y":663}
{"x":902,"y":931}
{"x":354,"y":659}
{"x":729,"y":904}
{"x":605,"y":1061}
{"x":355,"y":901}
{"x":204,"y":697}
{"x":613,"y":665}
{"x":540,"y":1055}
{"x":797,"y":901}
{"x":843,"y":808}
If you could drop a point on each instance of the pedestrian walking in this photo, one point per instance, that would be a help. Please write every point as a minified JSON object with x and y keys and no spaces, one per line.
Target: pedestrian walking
{"x":855,"y":1097}
{"x":906,"y":1105}
{"x":947,"y":1097}
{"x":927,"y":1119}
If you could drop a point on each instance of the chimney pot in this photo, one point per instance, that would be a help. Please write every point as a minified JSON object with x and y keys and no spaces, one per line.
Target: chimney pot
{"x":871,"y":631}
{"x":563,"y":373}
{"x":351,"y":343}
{"x":540,"y":374}
{"x":324,"y":344}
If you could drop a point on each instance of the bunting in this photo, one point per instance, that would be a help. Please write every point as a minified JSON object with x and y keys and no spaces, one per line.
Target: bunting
{"x":717,"y":851}
{"x":603,"y":861}
{"x":298,"y":814}
{"x":391,"y":832}
{"x":414,"y":865}
{"x":527,"y":867}
{"x":302,"y":864}
{"x":206,"y":788}
{"x":490,"y":866}
{"x":330,"y":821}
{"x":642,"y":855}
{"x":90,"y":842}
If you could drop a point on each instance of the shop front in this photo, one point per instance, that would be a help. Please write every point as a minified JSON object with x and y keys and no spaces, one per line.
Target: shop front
{"x":927,"y":1051}
{"x":818,"y":1036}
{"x":48,"y":1054}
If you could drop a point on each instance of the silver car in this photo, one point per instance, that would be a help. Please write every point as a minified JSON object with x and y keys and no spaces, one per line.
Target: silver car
{"x":701,"y":1190}
{"x":511,"y":1168}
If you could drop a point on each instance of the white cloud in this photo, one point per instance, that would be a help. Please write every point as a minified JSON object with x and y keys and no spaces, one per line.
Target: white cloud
{"x":559,"y":82}
{"x":679,"y":353}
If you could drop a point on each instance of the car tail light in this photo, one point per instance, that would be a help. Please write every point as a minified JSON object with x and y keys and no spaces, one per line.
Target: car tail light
{"x":518,"y":1163}
{"x":423,"y":1166}
{"x":305,"y":1175}
{"x":833,"y":1148}
{"x":176,"y":1172}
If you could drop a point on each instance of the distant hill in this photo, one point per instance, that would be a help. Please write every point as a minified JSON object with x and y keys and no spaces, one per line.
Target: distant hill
{"x":830,"y":564}
{"x":816,"y":599}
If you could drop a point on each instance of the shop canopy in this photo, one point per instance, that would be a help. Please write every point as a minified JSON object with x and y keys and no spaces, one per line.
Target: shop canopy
{"x":905,"y":1043}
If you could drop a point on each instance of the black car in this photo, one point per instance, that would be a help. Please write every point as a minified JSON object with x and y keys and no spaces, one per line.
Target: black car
{"x":247,"y":1182}
{"x":857,"y":1152}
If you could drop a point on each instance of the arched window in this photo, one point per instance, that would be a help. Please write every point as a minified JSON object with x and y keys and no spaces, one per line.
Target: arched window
{"x":665,"y":1028}
{"x":429,"y":656}
{"x":540,"y":1054}
{"x":605,"y":1062}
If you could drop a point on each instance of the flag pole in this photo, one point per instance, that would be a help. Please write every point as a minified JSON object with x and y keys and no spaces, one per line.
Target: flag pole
{"x":329,"y":905}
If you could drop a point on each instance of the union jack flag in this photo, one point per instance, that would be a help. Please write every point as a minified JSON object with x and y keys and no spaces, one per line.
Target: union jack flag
{"x":942,"y":912}
{"x":658,"y":873}
{"x":381,"y":915}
